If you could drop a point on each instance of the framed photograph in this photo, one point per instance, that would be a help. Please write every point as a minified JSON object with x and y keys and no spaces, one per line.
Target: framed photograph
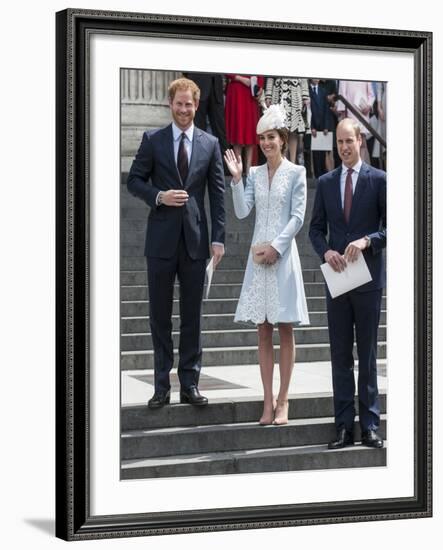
{"x":228,"y":437}
{"x":125,"y":470}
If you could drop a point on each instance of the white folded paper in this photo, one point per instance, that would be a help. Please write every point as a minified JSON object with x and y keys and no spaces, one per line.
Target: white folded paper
{"x":209,"y":273}
{"x":321,"y":142}
{"x":355,"y":275}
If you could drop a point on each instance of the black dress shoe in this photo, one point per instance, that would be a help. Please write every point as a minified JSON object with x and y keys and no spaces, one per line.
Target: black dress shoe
{"x":193,"y":397}
{"x":343,"y":439}
{"x":159,"y":399}
{"x":371,"y":439}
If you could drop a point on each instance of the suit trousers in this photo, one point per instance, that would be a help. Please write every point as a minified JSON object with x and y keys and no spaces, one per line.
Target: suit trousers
{"x":162,"y":274}
{"x":216,"y":112}
{"x":362,"y":311}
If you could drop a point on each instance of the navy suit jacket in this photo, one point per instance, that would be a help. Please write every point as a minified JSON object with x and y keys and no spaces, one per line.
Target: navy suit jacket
{"x":154,"y":169}
{"x":206,"y":81}
{"x":319,"y":109}
{"x":329,"y":230}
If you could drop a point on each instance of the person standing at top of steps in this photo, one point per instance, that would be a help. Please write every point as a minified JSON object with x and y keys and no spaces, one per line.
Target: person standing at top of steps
{"x":350,"y":207}
{"x":272,"y":291}
{"x":171,"y":172}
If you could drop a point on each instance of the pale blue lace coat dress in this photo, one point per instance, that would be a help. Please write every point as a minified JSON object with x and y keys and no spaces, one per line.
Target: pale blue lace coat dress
{"x":273,"y":292}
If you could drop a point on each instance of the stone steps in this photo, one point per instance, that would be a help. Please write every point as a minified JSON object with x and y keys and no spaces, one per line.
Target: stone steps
{"x":237,"y":245}
{"x":139,"y":277}
{"x":214,"y":321}
{"x":137,"y":261}
{"x":132,"y":258}
{"x":137,"y":308}
{"x":241,"y":436}
{"x":256,"y":461}
{"x":132,"y":236}
{"x":135,"y":221}
{"x":237,"y":355}
{"x":226,"y":411}
{"x":313,"y":457}
{"x":236,"y":337}
{"x":217,"y":291}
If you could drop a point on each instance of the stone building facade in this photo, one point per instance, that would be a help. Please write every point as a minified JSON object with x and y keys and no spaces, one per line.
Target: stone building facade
{"x":144,"y":105}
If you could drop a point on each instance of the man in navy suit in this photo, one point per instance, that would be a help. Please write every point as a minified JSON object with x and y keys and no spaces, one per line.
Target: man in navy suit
{"x":350,"y":208}
{"x":319,"y":111}
{"x":171,"y":172}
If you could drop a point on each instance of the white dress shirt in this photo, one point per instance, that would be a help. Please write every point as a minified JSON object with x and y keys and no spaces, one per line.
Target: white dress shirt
{"x":177,"y":135}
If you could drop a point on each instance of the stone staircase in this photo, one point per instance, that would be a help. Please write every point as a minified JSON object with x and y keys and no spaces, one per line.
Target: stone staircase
{"x":224,"y":437}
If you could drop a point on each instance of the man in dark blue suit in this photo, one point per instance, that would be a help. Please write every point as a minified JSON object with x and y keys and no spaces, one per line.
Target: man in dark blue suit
{"x":319,"y":112}
{"x":350,"y":209}
{"x":171,"y":172}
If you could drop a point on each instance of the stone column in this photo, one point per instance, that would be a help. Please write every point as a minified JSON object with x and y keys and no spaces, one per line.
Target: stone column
{"x":144,"y":106}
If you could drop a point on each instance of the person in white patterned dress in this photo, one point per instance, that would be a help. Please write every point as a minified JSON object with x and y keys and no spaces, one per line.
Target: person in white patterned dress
{"x":273,"y":290}
{"x":293,"y":94}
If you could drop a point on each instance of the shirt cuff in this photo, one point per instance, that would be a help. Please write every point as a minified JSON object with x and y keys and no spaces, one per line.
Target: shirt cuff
{"x":219,"y":244}
{"x":156,"y":199}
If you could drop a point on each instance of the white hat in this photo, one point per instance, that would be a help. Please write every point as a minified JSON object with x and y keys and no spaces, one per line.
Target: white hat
{"x":273,"y":118}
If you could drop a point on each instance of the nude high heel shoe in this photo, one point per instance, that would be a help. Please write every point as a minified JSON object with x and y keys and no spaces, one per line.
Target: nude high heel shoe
{"x":281,"y":413}
{"x":265,"y":419}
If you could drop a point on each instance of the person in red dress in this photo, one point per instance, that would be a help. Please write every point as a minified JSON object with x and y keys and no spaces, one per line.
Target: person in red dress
{"x":242,"y":113}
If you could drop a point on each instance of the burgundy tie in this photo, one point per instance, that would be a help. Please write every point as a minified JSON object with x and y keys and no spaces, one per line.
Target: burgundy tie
{"x":182,"y":159}
{"x":348,"y":195}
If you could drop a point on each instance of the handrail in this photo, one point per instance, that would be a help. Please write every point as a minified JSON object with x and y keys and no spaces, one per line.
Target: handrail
{"x":360,"y":118}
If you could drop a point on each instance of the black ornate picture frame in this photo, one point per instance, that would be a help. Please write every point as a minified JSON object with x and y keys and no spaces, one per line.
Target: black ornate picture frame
{"x":74,"y":520}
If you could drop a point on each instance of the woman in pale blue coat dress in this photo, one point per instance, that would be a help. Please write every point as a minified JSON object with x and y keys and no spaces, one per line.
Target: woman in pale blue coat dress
{"x":273,"y":291}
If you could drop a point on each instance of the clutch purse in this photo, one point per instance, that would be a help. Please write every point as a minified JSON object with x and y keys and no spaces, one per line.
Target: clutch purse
{"x":257,"y":252}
